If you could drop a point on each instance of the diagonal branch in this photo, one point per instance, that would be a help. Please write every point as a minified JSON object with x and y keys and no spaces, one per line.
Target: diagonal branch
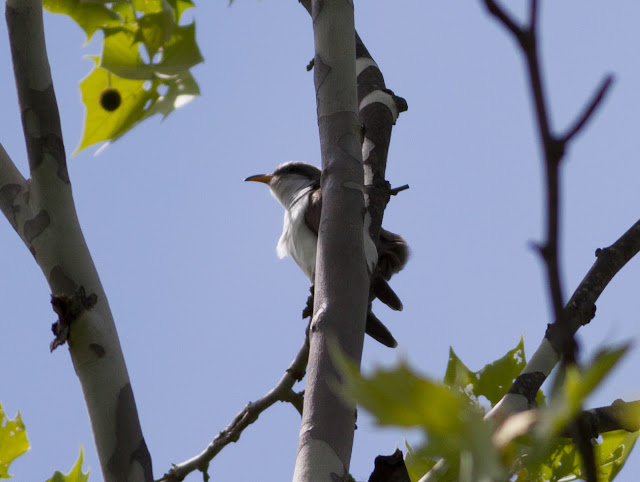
{"x":43,"y":213}
{"x":578,"y":312}
{"x":12,"y":184}
{"x":281,"y":392}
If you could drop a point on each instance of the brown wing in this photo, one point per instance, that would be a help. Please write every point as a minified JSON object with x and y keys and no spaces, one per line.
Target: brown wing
{"x":312,"y":214}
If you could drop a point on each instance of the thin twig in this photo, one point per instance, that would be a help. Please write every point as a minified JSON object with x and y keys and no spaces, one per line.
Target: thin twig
{"x":587,"y":113}
{"x":282,"y":391}
{"x":554,"y":148}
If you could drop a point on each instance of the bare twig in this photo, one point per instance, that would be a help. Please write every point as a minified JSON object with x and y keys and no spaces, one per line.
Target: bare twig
{"x":282,"y":391}
{"x":587,"y":113}
{"x":554,"y":147}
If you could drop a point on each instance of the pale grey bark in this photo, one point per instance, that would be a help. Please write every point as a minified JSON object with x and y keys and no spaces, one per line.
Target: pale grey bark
{"x":342,"y":278}
{"x":42,"y":212}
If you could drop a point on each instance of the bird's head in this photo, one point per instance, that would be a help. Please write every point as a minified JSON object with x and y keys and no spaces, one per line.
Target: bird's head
{"x":288,"y":180}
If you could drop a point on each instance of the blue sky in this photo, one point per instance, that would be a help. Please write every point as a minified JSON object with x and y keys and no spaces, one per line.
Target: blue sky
{"x":209,"y":317}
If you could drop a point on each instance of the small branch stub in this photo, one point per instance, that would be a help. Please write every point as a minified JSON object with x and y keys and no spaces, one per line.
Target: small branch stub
{"x":68,"y":310}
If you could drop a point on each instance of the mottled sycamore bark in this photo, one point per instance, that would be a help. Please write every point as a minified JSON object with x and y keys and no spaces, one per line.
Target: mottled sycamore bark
{"x":42,"y":212}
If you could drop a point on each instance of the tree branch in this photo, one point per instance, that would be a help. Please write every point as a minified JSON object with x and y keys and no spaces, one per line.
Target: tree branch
{"x":342,"y":278}
{"x":554,"y":147}
{"x":12,"y":184}
{"x":579,"y":310}
{"x":282,"y":392}
{"x":620,"y":415}
{"x":43,"y":213}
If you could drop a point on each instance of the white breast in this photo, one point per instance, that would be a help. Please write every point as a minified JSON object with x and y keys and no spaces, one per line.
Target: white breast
{"x":297,"y":240}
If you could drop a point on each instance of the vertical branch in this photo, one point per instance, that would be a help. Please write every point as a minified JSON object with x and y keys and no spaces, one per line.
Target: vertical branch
{"x":43,"y":213}
{"x":553,"y":146}
{"x":560,"y":335}
{"x":342,"y":282}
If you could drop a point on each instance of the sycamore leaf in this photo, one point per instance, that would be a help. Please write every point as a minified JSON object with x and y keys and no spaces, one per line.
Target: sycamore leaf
{"x":452,"y":425}
{"x":121,"y":57}
{"x":155,"y":30}
{"x":179,"y":6}
{"x":417,"y":464}
{"x":13,"y":442}
{"x":150,"y":6}
{"x":75,"y":475}
{"x":181,"y":90}
{"x":102,"y":124}
{"x":89,"y":16}
{"x":576,"y":386}
{"x":493,"y":380}
{"x":613,"y":452}
{"x":181,"y":52}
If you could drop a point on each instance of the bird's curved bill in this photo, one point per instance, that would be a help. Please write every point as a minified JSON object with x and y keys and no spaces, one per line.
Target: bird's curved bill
{"x":265,"y":178}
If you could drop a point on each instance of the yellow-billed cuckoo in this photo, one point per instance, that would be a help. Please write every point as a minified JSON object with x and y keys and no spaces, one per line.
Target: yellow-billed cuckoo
{"x":296,"y":185}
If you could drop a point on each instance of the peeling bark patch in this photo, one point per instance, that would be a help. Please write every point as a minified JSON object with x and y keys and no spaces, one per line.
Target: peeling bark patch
{"x":60,"y":281}
{"x":34,"y":226}
{"x":130,"y":445}
{"x":43,"y":122}
{"x":8,"y":193}
{"x":97,"y":349}
{"x":52,"y":145}
{"x":320,"y":71}
{"x":69,"y":309}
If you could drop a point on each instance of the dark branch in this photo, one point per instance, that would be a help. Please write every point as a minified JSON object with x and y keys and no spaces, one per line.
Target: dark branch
{"x":589,"y":110}
{"x":281,"y":392}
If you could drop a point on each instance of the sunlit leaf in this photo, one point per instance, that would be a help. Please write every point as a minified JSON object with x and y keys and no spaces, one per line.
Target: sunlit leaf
{"x":613,"y":452}
{"x":121,"y":57}
{"x":90,"y":16}
{"x":75,"y":475}
{"x":417,"y":464}
{"x":102,"y":124}
{"x":181,"y":52}
{"x":179,"y":7}
{"x":155,"y":30}
{"x":13,"y":442}
{"x":493,"y":380}
{"x":451,"y":424}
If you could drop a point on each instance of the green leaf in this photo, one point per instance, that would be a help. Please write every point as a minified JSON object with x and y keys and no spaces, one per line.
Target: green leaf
{"x":493,"y":380}
{"x":181,"y":52}
{"x":179,"y":7}
{"x":613,"y":452}
{"x":417,"y":464}
{"x":181,"y":90}
{"x":453,"y":426}
{"x":13,"y":442}
{"x":75,"y":475}
{"x":150,"y":6}
{"x":120,"y":55}
{"x":100,"y":124}
{"x":399,"y":397}
{"x":576,"y":386}
{"x":155,"y":30}
{"x":90,"y":16}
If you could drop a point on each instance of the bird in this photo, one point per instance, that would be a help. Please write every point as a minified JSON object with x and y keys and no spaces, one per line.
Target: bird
{"x":296,"y":186}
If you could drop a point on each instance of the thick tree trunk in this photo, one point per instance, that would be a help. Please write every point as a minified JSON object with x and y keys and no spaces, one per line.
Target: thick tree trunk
{"x":342,"y":278}
{"x":42,"y":212}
